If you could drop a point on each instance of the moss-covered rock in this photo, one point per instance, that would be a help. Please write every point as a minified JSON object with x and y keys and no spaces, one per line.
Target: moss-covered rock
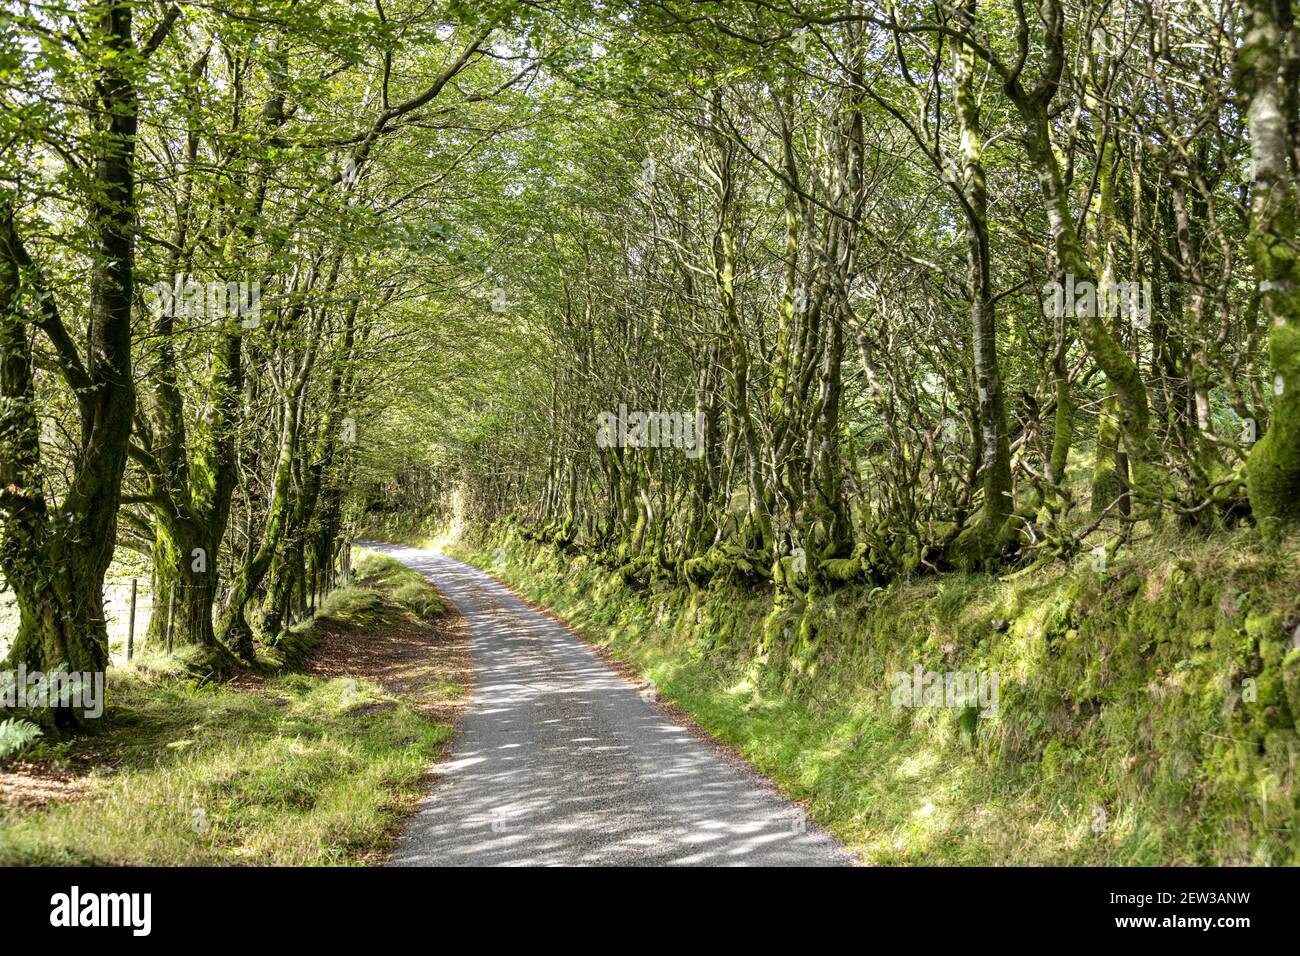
{"x":842,"y":570}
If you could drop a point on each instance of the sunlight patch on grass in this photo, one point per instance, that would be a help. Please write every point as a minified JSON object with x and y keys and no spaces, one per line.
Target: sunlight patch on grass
{"x":287,"y":774}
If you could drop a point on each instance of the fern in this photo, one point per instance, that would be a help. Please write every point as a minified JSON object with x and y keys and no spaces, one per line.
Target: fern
{"x":15,"y":734}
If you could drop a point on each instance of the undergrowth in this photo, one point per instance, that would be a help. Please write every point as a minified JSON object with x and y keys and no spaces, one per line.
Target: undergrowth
{"x":288,"y":770}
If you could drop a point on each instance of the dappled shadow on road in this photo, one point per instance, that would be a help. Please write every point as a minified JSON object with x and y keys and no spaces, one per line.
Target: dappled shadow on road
{"x":560,"y":761}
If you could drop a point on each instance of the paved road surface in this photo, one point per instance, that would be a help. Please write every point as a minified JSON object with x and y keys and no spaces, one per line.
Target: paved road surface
{"x":559,"y":761}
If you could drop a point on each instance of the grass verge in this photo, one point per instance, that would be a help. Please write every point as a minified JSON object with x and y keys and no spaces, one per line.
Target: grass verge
{"x":298,"y":768}
{"x":1145,"y":715}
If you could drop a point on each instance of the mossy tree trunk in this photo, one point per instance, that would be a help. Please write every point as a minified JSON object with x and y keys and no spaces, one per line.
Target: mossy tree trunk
{"x":1110,"y":467}
{"x":995,"y":447}
{"x":191,"y":474}
{"x":234,"y":630}
{"x":1268,"y":68}
{"x":289,"y":564}
{"x":54,"y":556}
{"x":190,"y":481}
{"x":1120,"y":370}
{"x":721,"y":168}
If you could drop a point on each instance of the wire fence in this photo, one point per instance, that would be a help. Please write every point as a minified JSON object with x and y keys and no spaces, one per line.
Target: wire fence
{"x":130,"y":602}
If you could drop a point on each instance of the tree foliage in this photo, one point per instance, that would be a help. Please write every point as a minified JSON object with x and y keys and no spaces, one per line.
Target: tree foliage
{"x":791,"y":294}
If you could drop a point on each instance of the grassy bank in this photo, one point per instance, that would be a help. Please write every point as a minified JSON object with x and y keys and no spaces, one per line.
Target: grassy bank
{"x":1144,"y":715}
{"x":272,"y":768}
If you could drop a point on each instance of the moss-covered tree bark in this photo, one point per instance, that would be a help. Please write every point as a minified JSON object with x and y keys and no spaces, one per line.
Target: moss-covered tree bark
{"x":1268,"y":69}
{"x":55,"y":555}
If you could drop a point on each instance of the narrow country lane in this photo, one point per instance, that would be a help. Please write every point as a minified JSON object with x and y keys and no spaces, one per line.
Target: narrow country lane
{"x":559,"y":761}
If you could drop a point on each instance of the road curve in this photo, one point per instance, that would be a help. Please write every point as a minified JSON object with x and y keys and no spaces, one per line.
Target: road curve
{"x":560,"y":762}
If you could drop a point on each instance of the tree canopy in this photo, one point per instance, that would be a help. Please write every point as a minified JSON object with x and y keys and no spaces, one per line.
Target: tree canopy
{"x":789,"y":294}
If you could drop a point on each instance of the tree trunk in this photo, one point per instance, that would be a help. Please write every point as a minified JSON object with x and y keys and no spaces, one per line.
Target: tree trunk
{"x":56,"y":559}
{"x":996,"y":449}
{"x":1264,"y":63}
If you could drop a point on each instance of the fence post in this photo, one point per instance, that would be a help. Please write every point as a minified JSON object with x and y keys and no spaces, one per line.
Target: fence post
{"x":171,"y":611}
{"x":130,"y":627}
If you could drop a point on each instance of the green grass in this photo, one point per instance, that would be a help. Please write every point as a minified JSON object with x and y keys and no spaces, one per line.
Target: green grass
{"x":1121,"y":735}
{"x":295,"y":770}
{"x":404,"y":586}
{"x":428,"y":532}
